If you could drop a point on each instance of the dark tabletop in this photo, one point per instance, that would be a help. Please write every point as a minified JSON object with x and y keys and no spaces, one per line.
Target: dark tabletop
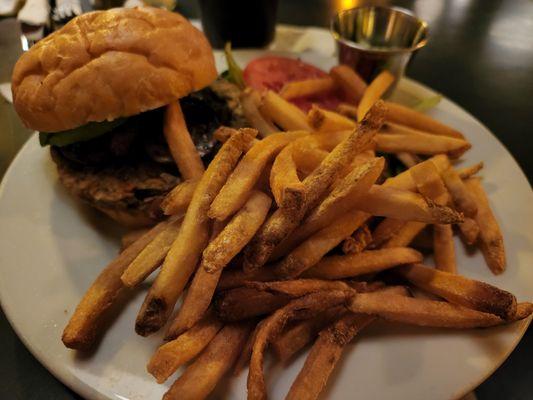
{"x":480,"y":55}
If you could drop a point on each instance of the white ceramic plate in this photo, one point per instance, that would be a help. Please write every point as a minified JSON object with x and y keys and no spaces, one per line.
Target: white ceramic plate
{"x":51,"y":249}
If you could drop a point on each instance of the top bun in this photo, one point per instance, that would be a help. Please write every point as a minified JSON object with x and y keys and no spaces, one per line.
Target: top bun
{"x":108,"y":64}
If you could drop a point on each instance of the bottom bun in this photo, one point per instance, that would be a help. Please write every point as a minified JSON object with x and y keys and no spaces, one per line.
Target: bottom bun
{"x":129,"y":194}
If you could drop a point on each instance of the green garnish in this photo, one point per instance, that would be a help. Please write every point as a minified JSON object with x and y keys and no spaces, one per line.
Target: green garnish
{"x":427,"y":103}
{"x":234,"y":73}
{"x":80,"y":134}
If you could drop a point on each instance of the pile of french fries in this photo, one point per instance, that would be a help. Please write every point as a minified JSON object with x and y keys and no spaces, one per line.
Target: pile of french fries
{"x":292,"y":237}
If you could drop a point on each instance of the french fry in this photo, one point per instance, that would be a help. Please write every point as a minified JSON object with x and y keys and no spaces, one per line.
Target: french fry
{"x":444,"y":249}
{"x":326,"y":121}
{"x":237,"y":189}
{"x":347,"y":110}
{"x":469,"y":231}
{"x":316,"y":246}
{"x":366,"y":262}
{"x":296,"y":337}
{"x":198,"y":296}
{"x":468,"y":172}
{"x":285,"y":185}
{"x":385,"y":230}
{"x":462,"y":199}
{"x":307,"y":158}
{"x":285,"y":115}
{"x":250,"y":100}
{"x":243,"y":303}
{"x":236,"y":277}
{"x":405,"y":234}
{"x":421,"y":143}
{"x":490,"y":239}
{"x":423,"y":312}
{"x":184,"y":253}
{"x":179,"y":198}
{"x":460,"y":290}
{"x":301,"y":308}
{"x":246,"y":352}
{"x":180,"y":143}
{"x":395,"y":203}
{"x":308,"y":87}
{"x":149,"y":259}
{"x":237,"y":233}
{"x":86,"y":324}
{"x":404,"y":179}
{"x":281,"y":223}
{"x":407,"y":116}
{"x":351,"y":84}
{"x":324,"y":355}
{"x":130,"y":237}
{"x":172,"y":355}
{"x":374,"y":92}
{"x":201,"y":377}
{"x":408,"y":159}
{"x":298,"y":287}
{"x":358,"y":241}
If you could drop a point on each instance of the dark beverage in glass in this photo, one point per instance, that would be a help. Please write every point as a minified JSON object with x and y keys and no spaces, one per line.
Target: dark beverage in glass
{"x":244,"y":23}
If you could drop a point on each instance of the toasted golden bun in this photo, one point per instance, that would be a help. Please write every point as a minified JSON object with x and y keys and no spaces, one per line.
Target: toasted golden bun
{"x":108,"y":64}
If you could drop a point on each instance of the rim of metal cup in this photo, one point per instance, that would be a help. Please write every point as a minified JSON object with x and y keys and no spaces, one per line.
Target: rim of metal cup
{"x":393,"y":50}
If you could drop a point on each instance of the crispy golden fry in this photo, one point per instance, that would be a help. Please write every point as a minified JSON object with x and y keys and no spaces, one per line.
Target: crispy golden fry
{"x":237,"y":277}
{"x":130,"y":237}
{"x":374,"y":92}
{"x":199,"y":295}
{"x":421,"y":143}
{"x":414,"y":119}
{"x":201,"y":377}
{"x":285,"y":185}
{"x":243,"y":303}
{"x":308,"y":87}
{"x":462,"y":199}
{"x":324,"y":355}
{"x":178,"y":200}
{"x":423,"y":241}
{"x":150,"y":258}
{"x":405,"y":234}
{"x":468,"y":172}
{"x":237,"y":233}
{"x":404,"y":179}
{"x":250,"y":100}
{"x":490,"y":239}
{"x":351,"y":84}
{"x":340,"y":267}
{"x":183,"y":256}
{"x":307,"y":158}
{"x":172,"y":355}
{"x":180,"y":143}
{"x":246,"y":352}
{"x":296,"y":337}
{"x":444,"y":248}
{"x":286,"y":115}
{"x":301,"y":308}
{"x":345,"y":194}
{"x":429,"y":183}
{"x":85,"y":325}
{"x":460,"y":290}
{"x":281,"y":223}
{"x":408,"y":159}
{"x":395,"y":203}
{"x":326,"y":121}
{"x":359,"y":240}
{"x":423,"y":312}
{"x":298,"y":287}
{"x":316,"y":246}
{"x":347,"y":110}
{"x":469,"y":231}
{"x":385,"y":230}
{"x":236,"y":191}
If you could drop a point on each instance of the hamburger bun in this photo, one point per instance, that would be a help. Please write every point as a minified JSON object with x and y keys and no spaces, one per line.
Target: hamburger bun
{"x":109,"y":64}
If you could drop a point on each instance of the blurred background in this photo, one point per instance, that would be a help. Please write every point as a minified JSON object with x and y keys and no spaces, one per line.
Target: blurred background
{"x":480,"y":55}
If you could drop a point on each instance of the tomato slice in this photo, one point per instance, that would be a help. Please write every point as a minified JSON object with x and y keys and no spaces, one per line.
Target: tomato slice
{"x":272,"y":73}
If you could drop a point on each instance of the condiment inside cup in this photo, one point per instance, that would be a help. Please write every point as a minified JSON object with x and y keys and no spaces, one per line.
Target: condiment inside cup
{"x":371,"y":39}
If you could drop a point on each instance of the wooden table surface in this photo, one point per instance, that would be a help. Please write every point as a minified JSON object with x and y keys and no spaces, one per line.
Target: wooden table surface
{"x":480,"y":55}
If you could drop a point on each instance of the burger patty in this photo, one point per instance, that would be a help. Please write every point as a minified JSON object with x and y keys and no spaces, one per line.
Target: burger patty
{"x":130,"y":168}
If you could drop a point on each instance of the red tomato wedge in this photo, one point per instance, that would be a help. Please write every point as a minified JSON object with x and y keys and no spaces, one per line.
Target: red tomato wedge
{"x":272,"y":73}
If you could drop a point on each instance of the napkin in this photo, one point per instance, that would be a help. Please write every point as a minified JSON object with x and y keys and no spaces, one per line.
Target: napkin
{"x":35,"y":12}
{"x":8,"y":7}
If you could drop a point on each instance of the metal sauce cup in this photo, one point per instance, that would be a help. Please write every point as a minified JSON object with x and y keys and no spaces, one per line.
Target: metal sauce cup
{"x":371,"y":39}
